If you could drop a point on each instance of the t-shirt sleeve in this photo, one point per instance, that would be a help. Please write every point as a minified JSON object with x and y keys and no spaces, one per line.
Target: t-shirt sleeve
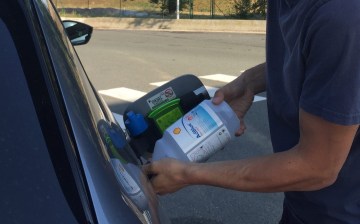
{"x":331,"y":54}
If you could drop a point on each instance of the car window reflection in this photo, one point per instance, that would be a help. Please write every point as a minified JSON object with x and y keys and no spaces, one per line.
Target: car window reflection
{"x":135,"y":186}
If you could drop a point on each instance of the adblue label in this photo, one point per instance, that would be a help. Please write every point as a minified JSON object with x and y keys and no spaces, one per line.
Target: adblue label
{"x":200,"y":121}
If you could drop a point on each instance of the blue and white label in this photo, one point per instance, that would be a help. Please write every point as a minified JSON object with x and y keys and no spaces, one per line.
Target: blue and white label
{"x":200,"y":133}
{"x":212,"y":144}
{"x":198,"y":122}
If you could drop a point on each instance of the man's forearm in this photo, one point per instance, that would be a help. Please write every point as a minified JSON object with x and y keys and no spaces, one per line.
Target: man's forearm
{"x":312,"y":164}
{"x":255,"y":78}
{"x":273,"y":173}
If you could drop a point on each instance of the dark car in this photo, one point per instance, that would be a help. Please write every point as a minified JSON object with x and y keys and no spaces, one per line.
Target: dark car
{"x":63,"y":157}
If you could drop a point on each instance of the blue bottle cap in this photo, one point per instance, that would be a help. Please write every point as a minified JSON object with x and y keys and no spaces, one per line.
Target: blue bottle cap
{"x":135,"y":123}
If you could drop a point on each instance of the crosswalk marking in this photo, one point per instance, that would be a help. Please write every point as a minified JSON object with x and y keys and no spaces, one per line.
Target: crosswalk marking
{"x":131,"y":95}
{"x":259,"y":98}
{"x":211,"y":90}
{"x":123,"y":93}
{"x":120,"y":120}
{"x":214,"y":77}
{"x":158,"y":83}
{"x":219,"y":77}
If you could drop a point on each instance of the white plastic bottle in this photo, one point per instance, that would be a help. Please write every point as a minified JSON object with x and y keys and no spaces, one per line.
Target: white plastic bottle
{"x":198,"y":134}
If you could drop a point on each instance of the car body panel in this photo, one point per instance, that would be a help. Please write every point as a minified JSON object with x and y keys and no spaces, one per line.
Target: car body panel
{"x":92,"y":172}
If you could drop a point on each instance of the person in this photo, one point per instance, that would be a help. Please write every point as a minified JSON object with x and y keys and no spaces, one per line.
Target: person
{"x":312,"y":81}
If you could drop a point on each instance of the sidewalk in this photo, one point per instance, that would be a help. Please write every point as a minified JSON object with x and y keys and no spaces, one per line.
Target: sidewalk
{"x":189,"y":25}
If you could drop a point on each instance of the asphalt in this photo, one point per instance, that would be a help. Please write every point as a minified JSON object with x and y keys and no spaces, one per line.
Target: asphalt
{"x":185,"y":25}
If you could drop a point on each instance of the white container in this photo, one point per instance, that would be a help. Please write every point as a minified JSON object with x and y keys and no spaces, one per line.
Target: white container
{"x":198,"y":134}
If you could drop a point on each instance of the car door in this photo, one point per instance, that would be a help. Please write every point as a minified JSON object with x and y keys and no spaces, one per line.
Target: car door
{"x":37,"y":183}
{"x":107,"y":170}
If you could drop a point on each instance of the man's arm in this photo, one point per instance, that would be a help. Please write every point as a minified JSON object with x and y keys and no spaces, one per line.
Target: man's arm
{"x":312,"y":164}
{"x":252,"y":80}
{"x":255,"y":78}
{"x":239,"y":94}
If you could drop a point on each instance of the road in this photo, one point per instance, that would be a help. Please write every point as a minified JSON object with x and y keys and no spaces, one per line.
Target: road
{"x":124,"y":65}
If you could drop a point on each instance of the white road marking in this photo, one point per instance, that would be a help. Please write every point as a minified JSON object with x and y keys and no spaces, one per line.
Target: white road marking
{"x":158,"y":83}
{"x":123,"y":93}
{"x":211,"y":90}
{"x":259,"y":98}
{"x":120,"y":119}
{"x":131,"y":95}
{"x":226,"y":79}
{"x":219,"y":77}
{"x":214,"y":77}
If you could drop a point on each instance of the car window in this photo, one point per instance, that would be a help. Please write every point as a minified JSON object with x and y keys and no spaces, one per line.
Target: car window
{"x":93,"y":130}
{"x":29,"y":189}
{"x":59,"y":46}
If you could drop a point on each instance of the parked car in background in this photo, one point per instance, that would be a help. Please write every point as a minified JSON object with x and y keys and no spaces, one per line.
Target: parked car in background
{"x":63,"y":157}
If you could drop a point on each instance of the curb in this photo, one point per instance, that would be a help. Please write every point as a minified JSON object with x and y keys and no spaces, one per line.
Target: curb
{"x":186,"y":25}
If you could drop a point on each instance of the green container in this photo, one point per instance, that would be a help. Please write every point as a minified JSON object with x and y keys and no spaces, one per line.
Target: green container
{"x":166,"y":114}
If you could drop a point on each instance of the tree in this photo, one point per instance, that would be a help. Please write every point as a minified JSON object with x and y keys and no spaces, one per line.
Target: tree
{"x":169,"y":5}
{"x":259,"y":8}
{"x":245,"y":9}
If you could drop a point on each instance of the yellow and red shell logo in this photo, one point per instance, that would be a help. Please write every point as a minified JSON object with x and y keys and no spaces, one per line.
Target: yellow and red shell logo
{"x":176,"y":131}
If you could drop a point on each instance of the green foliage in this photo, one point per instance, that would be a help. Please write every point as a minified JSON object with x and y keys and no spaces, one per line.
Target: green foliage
{"x":243,"y":8}
{"x":246,"y":9}
{"x":169,"y":6}
{"x":259,"y":8}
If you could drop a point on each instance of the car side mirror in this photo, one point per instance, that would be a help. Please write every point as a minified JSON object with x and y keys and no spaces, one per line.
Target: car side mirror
{"x":78,"y":33}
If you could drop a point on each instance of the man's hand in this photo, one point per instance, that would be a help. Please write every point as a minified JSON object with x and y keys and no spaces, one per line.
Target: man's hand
{"x":240,"y":103}
{"x":239,"y":94}
{"x":312,"y":164}
{"x":168,"y":175}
